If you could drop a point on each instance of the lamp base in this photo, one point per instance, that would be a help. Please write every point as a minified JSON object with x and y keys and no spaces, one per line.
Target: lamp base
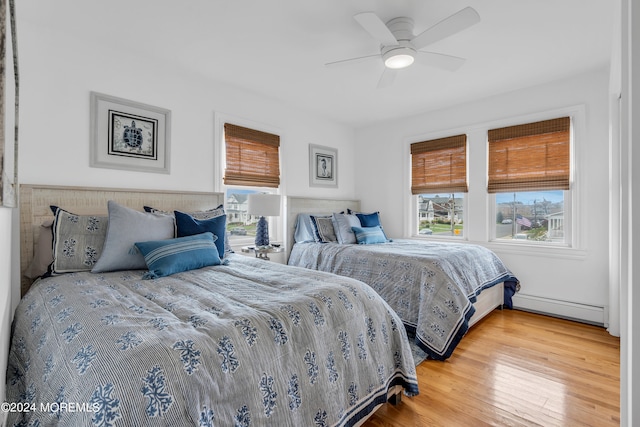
{"x":262,"y":232}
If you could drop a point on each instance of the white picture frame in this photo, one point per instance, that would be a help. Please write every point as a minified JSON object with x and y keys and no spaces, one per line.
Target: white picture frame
{"x":129,"y":135}
{"x":323,"y":166}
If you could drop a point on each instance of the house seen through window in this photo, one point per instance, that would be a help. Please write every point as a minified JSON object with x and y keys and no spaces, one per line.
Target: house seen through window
{"x":241,"y":226}
{"x":441,"y":214}
{"x":531,"y":215}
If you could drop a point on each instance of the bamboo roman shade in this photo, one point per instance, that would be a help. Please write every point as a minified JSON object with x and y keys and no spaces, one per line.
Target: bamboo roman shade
{"x":439,"y":165}
{"x":252,"y":157}
{"x":533,"y":156}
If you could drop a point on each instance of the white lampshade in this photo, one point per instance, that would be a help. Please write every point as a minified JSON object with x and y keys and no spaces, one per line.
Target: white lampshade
{"x":264,"y":204}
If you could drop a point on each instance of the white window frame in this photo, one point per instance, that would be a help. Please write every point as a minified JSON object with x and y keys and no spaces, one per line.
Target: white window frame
{"x":416,"y":222}
{"x":411,"y":217}
{"x":568,"y":232}
{"x":276,"y":224}
{"x":573,"y":238}
{"x":483,"y":231}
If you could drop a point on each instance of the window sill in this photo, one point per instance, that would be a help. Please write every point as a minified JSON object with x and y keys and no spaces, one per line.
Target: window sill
{"x":517,"y":247}
{"x":432,"y":237}
{"x":541,"y":249}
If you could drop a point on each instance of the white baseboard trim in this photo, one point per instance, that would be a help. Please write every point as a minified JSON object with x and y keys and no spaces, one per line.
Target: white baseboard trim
{"x":593,"y":314}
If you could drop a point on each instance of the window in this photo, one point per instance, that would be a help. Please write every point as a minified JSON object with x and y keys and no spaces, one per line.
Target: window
{"x":440,"y":214}
{"x":530,"y":173}
{"x":252,"y":157}
{"x":531,"y":215}
{"x":439,"y":185}
{"x":240,"y":225}
{"x":251,"y":165}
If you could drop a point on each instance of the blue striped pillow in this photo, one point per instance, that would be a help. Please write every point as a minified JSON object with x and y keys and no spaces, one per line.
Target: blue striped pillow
{"x":167,"y":257}
{"x":369,"y":235}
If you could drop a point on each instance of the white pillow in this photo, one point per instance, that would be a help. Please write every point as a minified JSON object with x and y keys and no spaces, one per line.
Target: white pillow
{"x":342,"y":224}
{"x":126,"y":227}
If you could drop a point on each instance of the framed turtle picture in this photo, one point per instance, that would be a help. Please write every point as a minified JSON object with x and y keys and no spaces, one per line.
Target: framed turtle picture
{"x":129,"y":135}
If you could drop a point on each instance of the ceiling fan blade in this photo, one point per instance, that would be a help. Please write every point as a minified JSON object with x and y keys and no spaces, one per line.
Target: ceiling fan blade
{"x":352,"y":60}
{"x":376,"y":28}
{"x":455,"y":23}
{"x":439,"y":60}
{"x":387,"y":78}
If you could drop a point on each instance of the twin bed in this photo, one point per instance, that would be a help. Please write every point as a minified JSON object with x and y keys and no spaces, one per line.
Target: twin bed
{"x":439,"y":289}
{"x":240,"y":342}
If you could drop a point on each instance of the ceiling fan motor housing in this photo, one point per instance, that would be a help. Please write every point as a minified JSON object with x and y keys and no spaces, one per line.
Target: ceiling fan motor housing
{"x":401,"y":28}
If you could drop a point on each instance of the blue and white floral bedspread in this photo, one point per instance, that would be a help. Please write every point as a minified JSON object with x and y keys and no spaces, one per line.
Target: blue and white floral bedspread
{"x":431,"y":285}
{"x":253,"y":343}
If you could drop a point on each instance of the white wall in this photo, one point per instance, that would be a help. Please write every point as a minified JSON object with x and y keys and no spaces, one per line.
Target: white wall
{"x":572,"y":282}
{"x":60,"y":70}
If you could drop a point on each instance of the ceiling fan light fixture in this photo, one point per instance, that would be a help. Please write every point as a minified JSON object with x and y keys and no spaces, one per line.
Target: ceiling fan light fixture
{"x":399,"y":58}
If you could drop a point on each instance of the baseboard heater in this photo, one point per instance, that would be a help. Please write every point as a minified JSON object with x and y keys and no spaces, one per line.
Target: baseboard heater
{"x":593,"y":314}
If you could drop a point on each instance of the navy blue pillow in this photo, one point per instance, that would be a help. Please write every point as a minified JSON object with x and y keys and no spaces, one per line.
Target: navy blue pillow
{"x":186,"y":225}
{"x":167,"y":257}
{"x":369,"y":220}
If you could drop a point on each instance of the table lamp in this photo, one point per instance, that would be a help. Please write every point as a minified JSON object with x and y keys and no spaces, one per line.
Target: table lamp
{"x":263,"y":205}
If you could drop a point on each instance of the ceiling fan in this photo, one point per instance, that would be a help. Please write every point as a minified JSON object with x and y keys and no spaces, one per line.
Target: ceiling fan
{"x":399,"y":48}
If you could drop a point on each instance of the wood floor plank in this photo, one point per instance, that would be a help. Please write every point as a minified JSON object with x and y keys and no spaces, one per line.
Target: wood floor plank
{"x":516,"y":368}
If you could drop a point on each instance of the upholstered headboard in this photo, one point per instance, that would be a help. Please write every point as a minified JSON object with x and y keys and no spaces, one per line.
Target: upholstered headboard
{"x":296,"y":205}
{"x":36,"y":199}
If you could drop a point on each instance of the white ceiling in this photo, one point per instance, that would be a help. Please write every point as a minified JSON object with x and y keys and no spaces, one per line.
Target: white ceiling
{"x":278,"y":48}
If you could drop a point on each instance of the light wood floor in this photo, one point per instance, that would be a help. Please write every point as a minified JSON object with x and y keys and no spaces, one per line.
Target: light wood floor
{"x":517,"y":369}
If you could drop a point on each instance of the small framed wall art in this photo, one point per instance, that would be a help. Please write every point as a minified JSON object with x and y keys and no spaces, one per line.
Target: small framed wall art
{"x":323,"y":166}
{"x":129,"y":135}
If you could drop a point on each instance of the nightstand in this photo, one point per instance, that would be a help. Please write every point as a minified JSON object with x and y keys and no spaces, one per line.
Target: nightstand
{"x":263,"y":252}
